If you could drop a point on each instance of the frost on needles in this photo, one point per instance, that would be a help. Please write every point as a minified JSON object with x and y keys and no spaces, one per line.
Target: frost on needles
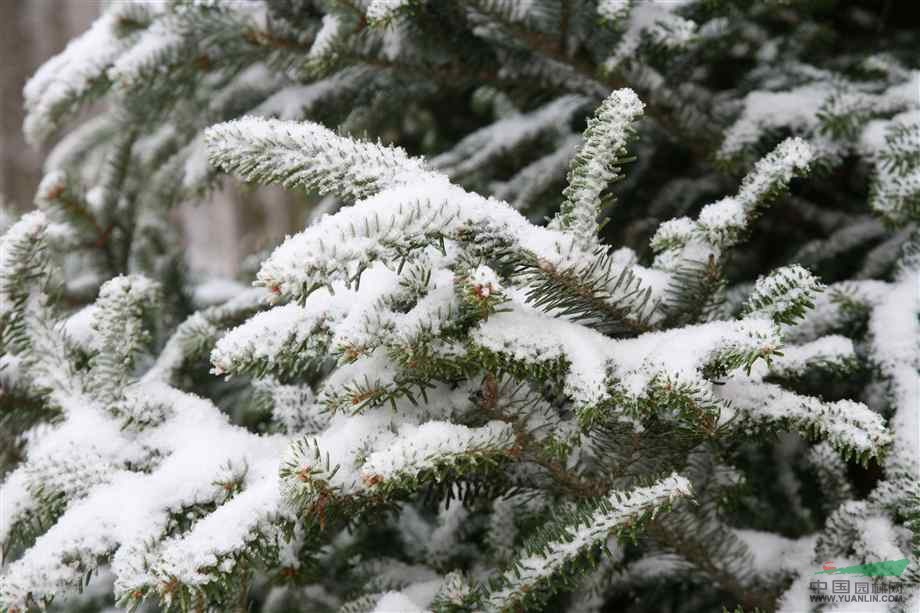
{"x":569,"y":327}
{"x":412,"y":343}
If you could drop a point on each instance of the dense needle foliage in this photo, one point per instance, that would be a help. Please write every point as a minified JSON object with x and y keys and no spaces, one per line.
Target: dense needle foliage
{"x":601,"y":305}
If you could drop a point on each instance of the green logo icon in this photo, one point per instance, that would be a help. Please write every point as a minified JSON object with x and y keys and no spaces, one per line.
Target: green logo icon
{"x":888,"y":568}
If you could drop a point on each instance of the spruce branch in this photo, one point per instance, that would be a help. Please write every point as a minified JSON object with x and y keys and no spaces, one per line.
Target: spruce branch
{"x":573,"y":536}
{"x":595,"y":165}
{"x":694,"y":251}
{"x":308,"y":156}
{"x":23,"y":272}
{"x":380,"y":13}
{"x":854,"y":431}
{"x":835,"y":487}
{"x":601,"y":294}
{"x":60,"y":198}
{"x":784,"y":295}
{"x":71,"y":79}
{"x":300,"y":343}
{"x":485,"y":146}
{"x":118,"y":319}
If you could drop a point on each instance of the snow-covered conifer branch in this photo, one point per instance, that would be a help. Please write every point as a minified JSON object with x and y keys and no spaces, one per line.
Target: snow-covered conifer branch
{"x":523,"y":189}
{"x":772,"y":174}
{"x":896,"y":190}
{"x":827,"y":108}
{"x":895,"y":331}
{"x":118,"y":321}
{"x":853,"y":429}
{"x":832,"y":353}
{"x":308,"y":156}
{"x":613,"y":10}
{"x":654,"y":20}
{"x":78,"y":468}
{"x":692,"y":251}
{"x":784,"y":295}
{"x":433,"y":446}
{"x":101,"y":522}
{"x":196,"y":336}
{"x":455,"y":592}
{"x":285,"y":341}
{"x":838,"y":307}
{"x":397,"y":222}
{"x":381,"y":12}
{"x":487,"y":144}
{"x":359,"y":460}
{"x":597,"y":369}
{"x":595,"y":165}
{"x":574,"y":535}
{"x":62,"y":200}
{"x":332,"y":39}
{"x":161,"y":44}
{"x":23,"y":271}
{"x":835,"y":487}
{"x":293,"y":407}
{"x":721,"y":224}
{"x":72,"y":78}
{"x":603,"y":292}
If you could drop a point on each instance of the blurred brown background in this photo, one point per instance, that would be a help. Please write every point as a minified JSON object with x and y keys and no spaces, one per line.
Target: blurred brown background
{"x":31,"y":31}
{"x":219,"y":233}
